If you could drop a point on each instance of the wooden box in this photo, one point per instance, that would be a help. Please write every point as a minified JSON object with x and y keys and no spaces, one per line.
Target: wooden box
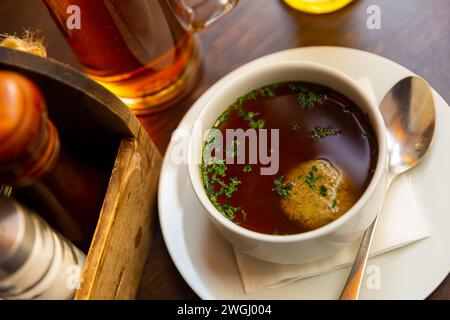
{"x":102,"y":129}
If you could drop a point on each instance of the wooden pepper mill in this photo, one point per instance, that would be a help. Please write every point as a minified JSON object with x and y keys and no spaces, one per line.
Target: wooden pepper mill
{"x":40,"y":169}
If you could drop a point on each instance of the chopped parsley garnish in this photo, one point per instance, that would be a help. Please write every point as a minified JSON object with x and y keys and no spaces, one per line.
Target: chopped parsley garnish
{"x":320,"y":133}
{"x":266,"y":91}
{"x":250,"y":116}
{"x":210,"y":140}
{"x":333,"y":204}
{"x":229,"y":211}
{"x":260,"y":124}
{"x":295,"y":126}
{"x":270,"y":90}
{"x":311,"y":178}
{"x":323,"y":191}
{"x":252,"y":95}
{"x":234,"y":149}
{"x":278,"y":181}
{"x":275,"y":232}
{"x":306,"y":97}
{"x":222,"y":119}
{"x":213,"y":174}
{"x":247,"y":168}
{"x":230,"y":188}
{"x":306,"y":100}
{"x":298,"y":86}
{"x":215,"y":169}
{"x":283,"y":189}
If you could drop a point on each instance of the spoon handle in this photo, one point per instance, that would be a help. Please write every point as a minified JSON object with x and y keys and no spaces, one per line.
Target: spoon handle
{"x":354,"y":280}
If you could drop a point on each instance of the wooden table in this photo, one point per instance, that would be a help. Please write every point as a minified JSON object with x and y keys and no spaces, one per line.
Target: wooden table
{"x":415,"y":33}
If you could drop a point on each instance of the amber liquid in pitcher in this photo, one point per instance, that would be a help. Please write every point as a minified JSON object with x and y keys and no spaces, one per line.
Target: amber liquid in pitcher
{"x":135,"y":48}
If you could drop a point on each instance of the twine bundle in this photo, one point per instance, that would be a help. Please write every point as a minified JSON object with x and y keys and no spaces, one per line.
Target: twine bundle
{"x":29,"y":42}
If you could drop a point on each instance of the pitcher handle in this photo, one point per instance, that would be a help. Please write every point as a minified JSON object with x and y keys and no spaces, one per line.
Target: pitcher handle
{"x":198,"y":14}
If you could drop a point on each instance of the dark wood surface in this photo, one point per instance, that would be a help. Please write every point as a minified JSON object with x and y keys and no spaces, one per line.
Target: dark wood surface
{"x":415,"y":33}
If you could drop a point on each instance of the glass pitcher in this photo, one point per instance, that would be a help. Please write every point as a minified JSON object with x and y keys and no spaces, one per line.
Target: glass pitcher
{"x":143,"y":51}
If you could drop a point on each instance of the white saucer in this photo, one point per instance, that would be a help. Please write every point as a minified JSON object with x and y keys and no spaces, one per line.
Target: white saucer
{"x":206,"y":260}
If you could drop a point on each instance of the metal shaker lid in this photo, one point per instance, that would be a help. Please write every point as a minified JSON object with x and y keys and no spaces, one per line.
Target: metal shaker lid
{"x":17,"y":236}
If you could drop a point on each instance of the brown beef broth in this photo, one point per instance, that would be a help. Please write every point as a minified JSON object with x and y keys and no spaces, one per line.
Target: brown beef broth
{"x":353,"y":151}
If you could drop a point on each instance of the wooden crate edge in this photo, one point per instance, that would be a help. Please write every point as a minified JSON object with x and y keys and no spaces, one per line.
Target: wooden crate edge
{"x":96,"y":283}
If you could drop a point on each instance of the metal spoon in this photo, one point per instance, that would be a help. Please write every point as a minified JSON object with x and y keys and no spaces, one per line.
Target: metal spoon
{"x":409,"y":114}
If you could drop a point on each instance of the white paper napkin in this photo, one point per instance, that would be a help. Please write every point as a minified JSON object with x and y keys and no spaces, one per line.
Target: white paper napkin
{"x":400,"y":224}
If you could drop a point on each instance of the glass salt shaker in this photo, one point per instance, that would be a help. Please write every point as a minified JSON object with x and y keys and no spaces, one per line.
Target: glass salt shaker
{"x":35,"y":261}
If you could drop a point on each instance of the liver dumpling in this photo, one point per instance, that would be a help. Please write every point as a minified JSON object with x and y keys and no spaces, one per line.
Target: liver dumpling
{"x":319,"y":194}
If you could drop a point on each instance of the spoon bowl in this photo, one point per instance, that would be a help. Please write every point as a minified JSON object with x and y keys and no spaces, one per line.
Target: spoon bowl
{"x":409,"y":114}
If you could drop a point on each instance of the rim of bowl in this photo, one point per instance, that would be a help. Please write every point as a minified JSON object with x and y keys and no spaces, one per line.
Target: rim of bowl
{"x":376,"y":121}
